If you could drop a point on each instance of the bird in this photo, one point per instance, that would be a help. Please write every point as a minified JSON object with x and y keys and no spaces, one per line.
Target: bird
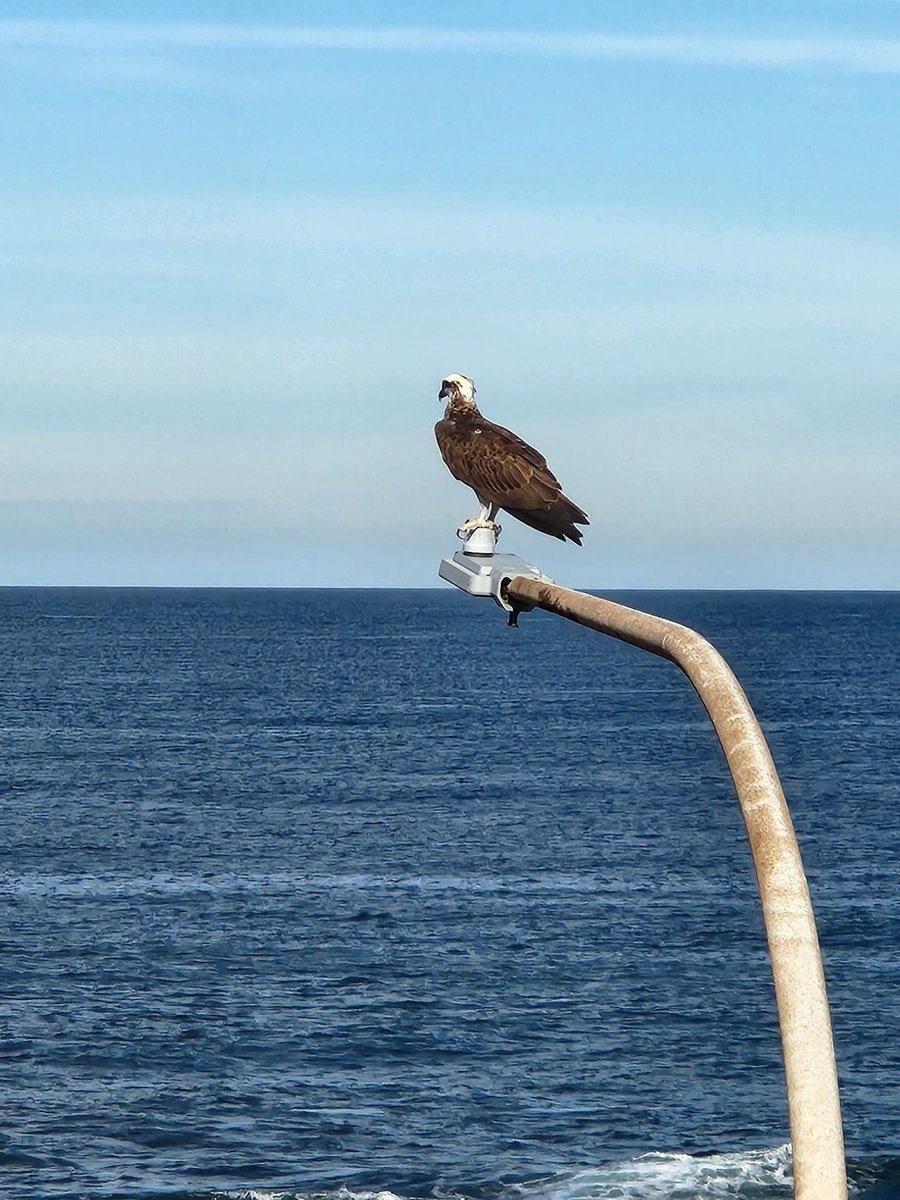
{"x":503,"y":471}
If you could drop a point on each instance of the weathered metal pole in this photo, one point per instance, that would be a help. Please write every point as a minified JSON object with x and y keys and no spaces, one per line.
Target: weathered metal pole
{"x":810,"y":1071}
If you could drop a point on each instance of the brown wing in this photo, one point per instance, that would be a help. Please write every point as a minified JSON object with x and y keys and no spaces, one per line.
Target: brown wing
{"x":504,"y":470}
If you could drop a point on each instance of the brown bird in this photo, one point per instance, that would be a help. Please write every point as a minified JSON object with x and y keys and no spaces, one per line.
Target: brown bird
{"x":502,"y":470}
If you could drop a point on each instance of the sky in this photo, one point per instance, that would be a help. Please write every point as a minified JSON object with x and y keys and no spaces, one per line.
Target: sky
{"x":242,"y":242}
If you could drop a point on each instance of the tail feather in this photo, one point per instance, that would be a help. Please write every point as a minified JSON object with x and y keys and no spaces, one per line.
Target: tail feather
{"x":557,"y":521}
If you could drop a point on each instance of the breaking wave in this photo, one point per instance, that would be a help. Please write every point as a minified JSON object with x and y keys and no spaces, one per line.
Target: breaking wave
{"x":750,"y":1175}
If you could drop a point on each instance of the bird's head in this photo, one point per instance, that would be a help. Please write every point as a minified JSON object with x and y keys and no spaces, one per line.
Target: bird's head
{"x":459,"y":390}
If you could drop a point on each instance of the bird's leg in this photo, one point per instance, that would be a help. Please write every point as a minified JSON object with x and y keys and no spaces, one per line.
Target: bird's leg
{"x":483,"y":520}
{"x":495,"y":508}
{"x":479,"y":522}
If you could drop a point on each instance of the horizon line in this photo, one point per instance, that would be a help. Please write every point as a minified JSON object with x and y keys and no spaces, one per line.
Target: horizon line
{"x":357,"y":587}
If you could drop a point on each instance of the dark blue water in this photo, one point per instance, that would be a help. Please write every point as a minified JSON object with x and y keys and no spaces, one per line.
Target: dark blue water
{"x":346,"y":892}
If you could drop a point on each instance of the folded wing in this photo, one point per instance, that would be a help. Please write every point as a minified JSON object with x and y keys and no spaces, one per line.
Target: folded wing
{"x":505,"y":471}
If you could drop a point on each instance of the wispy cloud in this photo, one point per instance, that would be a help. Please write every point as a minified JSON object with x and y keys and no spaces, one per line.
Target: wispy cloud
{"x":775,"y":52}
{"x":470,"y":233}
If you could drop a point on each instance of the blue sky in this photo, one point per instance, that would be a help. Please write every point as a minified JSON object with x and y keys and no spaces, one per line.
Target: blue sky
{"x":241,"y":243}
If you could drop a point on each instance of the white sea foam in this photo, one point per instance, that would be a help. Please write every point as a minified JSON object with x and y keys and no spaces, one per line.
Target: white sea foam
{"x":340,"y":1194}
{"x":753,"y":1175}
{"x":256,"y":1194}
{"x":761,"y":1173}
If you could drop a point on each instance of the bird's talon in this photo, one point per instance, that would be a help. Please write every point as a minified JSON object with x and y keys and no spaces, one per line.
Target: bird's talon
{"x":474,"y":523}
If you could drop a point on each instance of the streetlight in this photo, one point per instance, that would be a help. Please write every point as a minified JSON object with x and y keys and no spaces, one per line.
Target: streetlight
{"x":807,"y":1045}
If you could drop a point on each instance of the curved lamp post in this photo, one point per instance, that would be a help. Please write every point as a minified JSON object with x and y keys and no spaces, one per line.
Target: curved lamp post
{"x":808,"y":1048}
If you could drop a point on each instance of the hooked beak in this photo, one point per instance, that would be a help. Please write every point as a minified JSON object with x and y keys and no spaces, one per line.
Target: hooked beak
{"x":444,"y":393}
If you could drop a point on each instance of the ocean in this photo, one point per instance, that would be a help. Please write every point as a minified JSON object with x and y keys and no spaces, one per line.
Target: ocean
{"x":359,"y":894}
